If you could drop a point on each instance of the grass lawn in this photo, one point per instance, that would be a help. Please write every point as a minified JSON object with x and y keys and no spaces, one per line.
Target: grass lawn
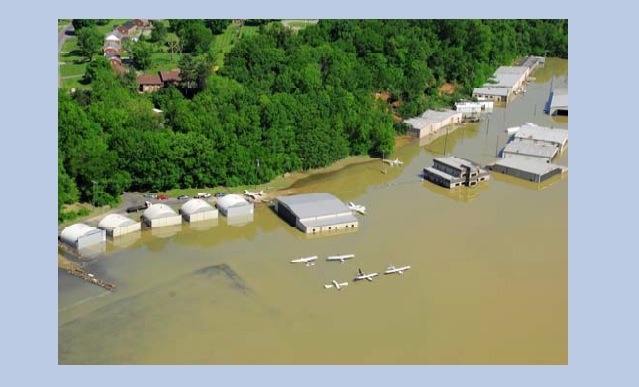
{"x":73,"y":83}
{"x":67,"y":70}
{"x":71,"y":44}
{"x":162,"y":62}
{"x":109,"y":26}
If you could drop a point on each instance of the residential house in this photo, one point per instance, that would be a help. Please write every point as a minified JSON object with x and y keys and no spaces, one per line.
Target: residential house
{"x":149,"y":83}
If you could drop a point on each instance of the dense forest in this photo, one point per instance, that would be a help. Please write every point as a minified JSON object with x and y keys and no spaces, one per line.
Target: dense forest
{"x":283,"y":100}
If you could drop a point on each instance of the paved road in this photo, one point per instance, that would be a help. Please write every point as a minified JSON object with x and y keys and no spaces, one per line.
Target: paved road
{"x":62,"y":37}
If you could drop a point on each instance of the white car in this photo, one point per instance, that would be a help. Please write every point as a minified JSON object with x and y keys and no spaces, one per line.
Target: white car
{"x":203,"y":195}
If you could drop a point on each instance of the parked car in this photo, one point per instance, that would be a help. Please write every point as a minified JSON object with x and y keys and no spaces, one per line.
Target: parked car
{"x":182,"y":197}
{"x":220,"y":194}
{"x":162,"y":197}
{"x":203,"y":195}
{"x":150,"y":195}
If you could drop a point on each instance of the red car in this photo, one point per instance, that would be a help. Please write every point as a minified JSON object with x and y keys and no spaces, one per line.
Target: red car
{"x":162,"y":197}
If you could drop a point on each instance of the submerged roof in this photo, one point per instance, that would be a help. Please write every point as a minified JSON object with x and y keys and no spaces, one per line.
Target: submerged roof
{"x":314,"y":205}
{"x":115,"y":220}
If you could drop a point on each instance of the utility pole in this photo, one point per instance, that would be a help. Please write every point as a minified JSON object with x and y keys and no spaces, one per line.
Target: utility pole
{"x":446,"y":143}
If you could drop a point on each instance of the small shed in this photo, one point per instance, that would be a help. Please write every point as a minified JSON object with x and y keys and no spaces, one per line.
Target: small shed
{"x":234,"y":205}
{"x":197,"y":210}
{"x":117,"y":224}
{"x":161,"y":215}
{"x":81,"y":235}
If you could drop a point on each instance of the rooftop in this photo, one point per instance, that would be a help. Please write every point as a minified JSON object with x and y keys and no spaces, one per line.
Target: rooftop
{"x":115,"y":220}
{"x":170,"y":76}
{"x":457,"y":162}
{"x":149,"y":79}
{"x":501,"y":91}
{"x":431,"y":117}
{"x":527,"y":165}
{"x":541,"y":133}
{"x":523,"y":147}
{"x":314,"y":205}
{"x":559,"y":99}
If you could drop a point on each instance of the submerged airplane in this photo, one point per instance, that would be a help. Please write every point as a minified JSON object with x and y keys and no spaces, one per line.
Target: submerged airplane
{"x":392,"y":269}
{"x":335,"y":284}
{"x":307,"y":260}
{"x":253,"y":195}
{"x":340,"y":258}
{"x":362,"y":276}
{"x":394,"y":163}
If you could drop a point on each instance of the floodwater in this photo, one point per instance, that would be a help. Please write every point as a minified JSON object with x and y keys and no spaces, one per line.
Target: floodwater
{"x":488,"y":284}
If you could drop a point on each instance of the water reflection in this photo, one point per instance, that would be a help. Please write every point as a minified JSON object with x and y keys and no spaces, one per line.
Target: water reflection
{"x":126,"y":240}
{"x":462,"y":194}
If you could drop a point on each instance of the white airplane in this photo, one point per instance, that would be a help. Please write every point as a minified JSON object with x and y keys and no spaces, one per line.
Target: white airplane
{"x":307,"y":260}
{"x":362,"y":276}
{"x":336,"y":285}
{"x":394,"y":163}
{"x":392,"y":269}
{"x":340,"y":258}
{"x":357,"y":207}
{"x":253,"y":195}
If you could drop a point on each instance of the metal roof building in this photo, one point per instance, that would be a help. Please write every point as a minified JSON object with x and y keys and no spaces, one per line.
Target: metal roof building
{"x":234,"y":205}
{"x":315,"y":212}
{"x":542,"y":135}
{"x":558,"y":102}
{"x":432,"y":120}
{"x":197,"y":210}
{"x":161,"y":215}
{"x":544,"y":152}
{"x":117,"y":224}
{"x":527,"y":169}
{"x":81,"y":235}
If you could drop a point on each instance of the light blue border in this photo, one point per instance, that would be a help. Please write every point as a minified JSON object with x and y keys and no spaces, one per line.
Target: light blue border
{"x":602,"y":209}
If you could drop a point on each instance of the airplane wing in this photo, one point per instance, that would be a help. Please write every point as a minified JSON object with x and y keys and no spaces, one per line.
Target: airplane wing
{"x":369,"y":279}
{"x":328,"y":286}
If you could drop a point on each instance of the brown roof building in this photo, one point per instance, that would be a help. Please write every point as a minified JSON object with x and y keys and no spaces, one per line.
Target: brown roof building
{"x":170,"y":77}
{"x":149,"y":82}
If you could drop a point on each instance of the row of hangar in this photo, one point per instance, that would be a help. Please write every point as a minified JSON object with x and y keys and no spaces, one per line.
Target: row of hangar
{"x":311,"y":213}
{"x":81,"y":235}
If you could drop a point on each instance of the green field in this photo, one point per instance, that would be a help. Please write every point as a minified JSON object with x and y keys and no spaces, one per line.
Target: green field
{"x":67,"y":70}
{"x":162,"y":62}
{"x":73,"y":83}
{"x":109,"y":26}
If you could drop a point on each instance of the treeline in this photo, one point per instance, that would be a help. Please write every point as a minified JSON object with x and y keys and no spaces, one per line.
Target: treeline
{"x":283,"y":101}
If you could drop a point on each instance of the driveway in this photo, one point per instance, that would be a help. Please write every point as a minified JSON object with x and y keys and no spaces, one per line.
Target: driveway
{"x":62,"y":37}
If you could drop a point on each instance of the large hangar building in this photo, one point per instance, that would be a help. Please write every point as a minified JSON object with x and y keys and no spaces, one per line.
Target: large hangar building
{"x":315,"y":212}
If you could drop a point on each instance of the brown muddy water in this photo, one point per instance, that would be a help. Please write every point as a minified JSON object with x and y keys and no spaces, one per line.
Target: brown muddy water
{"x":488,"y":284}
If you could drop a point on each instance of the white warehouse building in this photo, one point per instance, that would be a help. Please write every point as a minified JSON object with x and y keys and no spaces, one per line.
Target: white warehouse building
{"x":161,"y":215}
{"x":117,"y":224}
{"x":315,"y":212}
{"x":197,"y":210}
{"x":233,"y":205}
{"x":81,"y":235}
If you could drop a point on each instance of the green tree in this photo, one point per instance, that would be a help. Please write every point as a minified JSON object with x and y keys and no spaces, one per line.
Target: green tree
{"x":100,"y":68}
{"x":158,"y":33}
{"x":141,"y":52}
{"x":217,"y":26}
{"x":90,"y":41}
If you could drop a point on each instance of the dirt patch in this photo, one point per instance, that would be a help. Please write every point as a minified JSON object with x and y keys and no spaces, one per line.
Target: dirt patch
{"x":447,"y":88}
